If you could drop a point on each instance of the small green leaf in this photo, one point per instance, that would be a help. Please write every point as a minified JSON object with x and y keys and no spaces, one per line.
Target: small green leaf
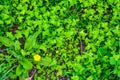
{"x":119,"y":74}
{"x":10,"y":35}
{"x":102,"y":50}
{"x":24,"y":53}
{"x":112,"y":61}
{"x":72,"y":2}
{"x":59,"y":72}
{"x":90,"y":78}
{"x":75,"y":78}
{"x":18,"y":34}
{"x":1,"y":22}
{"x":118,"y":62}
{"x":17,"y":45}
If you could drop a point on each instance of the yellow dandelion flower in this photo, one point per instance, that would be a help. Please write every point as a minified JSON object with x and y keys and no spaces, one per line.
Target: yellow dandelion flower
{"x":37,"y":57}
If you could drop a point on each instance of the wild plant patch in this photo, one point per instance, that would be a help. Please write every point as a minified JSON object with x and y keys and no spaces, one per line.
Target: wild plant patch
{"x":59,"y":39}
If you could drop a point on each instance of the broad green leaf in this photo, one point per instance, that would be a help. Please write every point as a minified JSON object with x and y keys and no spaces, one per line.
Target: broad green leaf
{"x":19,"y":70}
{"x":46,"y":61}
{"x":31,"y":41}
{"x":23,"y":75}
{"x":6,"y":41}
{"x":26,"y":64}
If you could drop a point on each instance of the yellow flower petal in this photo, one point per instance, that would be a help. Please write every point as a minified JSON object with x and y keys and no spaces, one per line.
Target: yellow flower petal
{"x":37,"y":57}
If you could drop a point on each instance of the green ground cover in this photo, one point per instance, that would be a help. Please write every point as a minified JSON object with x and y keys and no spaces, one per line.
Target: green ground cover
{"x":60,"y":39}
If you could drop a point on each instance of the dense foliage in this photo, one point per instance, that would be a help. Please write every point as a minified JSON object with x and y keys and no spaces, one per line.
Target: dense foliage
{"x":60,"y":39}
